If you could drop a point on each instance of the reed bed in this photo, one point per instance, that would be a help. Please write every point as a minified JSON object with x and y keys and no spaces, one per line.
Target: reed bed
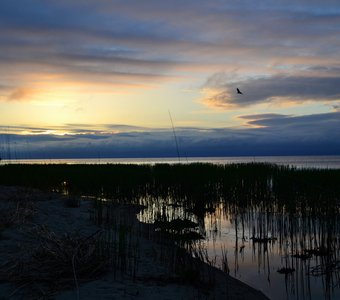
{"x":297,"y":209}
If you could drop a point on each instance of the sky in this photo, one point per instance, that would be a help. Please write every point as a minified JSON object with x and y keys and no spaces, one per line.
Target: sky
{"x":131,"y":78}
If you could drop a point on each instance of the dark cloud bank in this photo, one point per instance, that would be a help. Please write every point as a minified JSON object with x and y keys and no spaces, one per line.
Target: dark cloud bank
{"x":275,"y":88}
{"x":144,"y":40}
{"x":317,"y":134}
{"x":139,"y":41}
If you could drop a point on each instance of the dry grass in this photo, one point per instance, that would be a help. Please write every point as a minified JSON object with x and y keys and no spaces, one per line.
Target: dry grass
{"x":58,"y":262}
{"x":15,"y":213}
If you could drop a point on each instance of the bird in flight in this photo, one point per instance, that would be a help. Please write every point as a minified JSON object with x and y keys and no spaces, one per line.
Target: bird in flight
{"x":238,"y":91}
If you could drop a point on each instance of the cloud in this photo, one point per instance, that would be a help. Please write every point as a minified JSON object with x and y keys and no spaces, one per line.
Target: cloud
{"x":73,"y":129}
{"x":271,"y":89}
{"x":262,"y":116}
{"x":276,"y":135}
{"x":142,"y":42}
{"x":125,"y":128}
{"x":328,"y":121}
{"x":336,"y":107}
{"x":20,"y":94}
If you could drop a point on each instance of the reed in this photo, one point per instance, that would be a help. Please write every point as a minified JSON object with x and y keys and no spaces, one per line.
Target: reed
{"x":121,"y":233}
{"x":295,"y":209}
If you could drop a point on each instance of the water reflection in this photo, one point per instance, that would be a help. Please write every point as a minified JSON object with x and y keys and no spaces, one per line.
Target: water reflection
{"x":297,"y":254}
{"x":275,"y":228}
{"x":280,"y":242}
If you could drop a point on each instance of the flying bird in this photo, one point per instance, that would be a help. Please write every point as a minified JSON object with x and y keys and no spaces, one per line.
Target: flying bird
{"x":239,"y":92}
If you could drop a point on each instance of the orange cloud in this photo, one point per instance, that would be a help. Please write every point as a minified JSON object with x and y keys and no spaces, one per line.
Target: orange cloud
{"x":214,"y":98}
{"x":21,"y":94}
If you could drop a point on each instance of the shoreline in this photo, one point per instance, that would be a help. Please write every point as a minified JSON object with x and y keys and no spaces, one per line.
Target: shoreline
{"x":147,"y":275}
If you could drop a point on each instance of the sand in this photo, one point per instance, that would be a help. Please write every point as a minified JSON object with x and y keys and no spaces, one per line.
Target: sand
{"x":47,"y":211}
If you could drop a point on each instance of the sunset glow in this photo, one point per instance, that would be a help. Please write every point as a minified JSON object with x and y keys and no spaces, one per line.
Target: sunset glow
{"x":117,"y":68}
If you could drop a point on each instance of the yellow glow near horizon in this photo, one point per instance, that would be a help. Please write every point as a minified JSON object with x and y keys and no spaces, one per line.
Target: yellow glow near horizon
{"x":54,"y":100}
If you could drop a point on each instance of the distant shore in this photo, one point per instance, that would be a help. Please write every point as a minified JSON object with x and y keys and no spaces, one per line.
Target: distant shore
{"x":37,"y":221}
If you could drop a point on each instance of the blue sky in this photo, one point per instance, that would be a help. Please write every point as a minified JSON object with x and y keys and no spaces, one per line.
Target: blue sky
{"x":98,"y":78}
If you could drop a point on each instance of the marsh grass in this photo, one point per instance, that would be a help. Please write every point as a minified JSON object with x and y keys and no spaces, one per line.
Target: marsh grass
{"x":295,"y":209}
{"x":120,"y":233}
{"x":58,"y":262}
{"x":15,"y":212}
{"x":61,"y":262}
{"x":175,"y":239}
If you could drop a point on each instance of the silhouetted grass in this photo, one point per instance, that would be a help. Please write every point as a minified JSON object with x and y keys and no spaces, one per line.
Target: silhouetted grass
{"x":59,"y":262}
{"x":199,"y":187}
{"x":296,"y":208}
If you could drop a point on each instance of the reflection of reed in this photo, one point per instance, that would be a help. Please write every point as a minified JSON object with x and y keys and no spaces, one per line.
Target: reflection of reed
{"x":281,"y":217}
{"x":306,"y":240}
{"x":274,"y":210}
{"x":303,"y":233}
{"x":307,"y":245}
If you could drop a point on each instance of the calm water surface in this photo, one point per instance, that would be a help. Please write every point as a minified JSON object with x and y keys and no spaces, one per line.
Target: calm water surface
{"x":324,"y":162}
{"x":257,"y":264}
{"x":231,"y":229}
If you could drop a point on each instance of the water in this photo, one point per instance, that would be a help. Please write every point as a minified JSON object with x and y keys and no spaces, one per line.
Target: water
{"x":231,"y":223}
{"x":257,"y":264}
{"x":293,"y":230}
{"x":323,"y":162}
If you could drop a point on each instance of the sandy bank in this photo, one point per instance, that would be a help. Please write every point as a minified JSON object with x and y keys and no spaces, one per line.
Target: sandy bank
{"x":28,"y":216}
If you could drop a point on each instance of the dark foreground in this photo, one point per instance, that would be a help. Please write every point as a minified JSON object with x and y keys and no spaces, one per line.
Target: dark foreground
{"x":52,"y":248}
{"x":96,"y":206}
